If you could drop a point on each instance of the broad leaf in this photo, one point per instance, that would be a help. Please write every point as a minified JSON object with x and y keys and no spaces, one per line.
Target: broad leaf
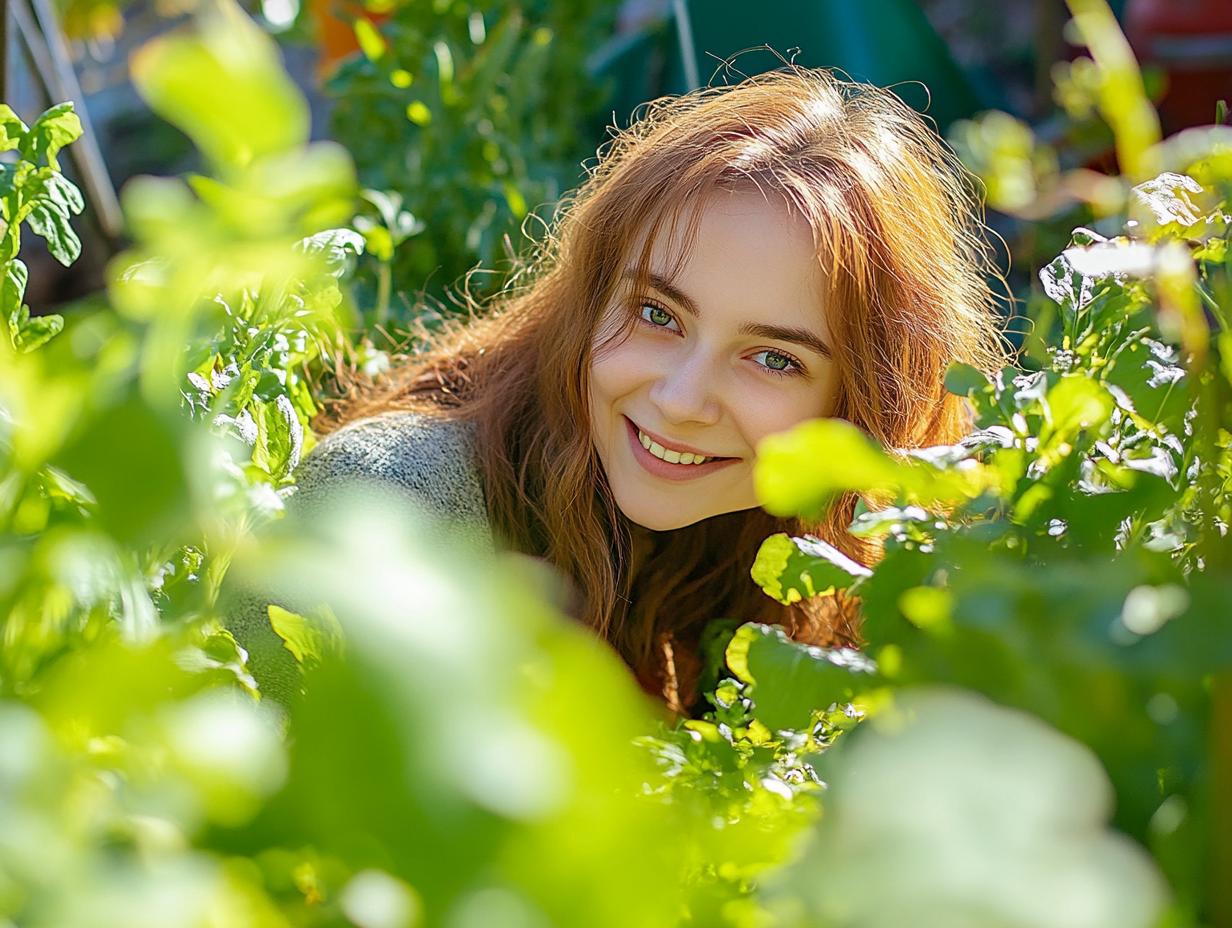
{"x":791,"y":569}
{"x":1066,"y":287}
{"x":225,"y":88}
{"x":64,"y":194}
{"x":961,"y":379}
{"x":37,"y":331}
{"x":310,"y":640}
{"x":1146,"y":379}
{"x":53,"y":225}
{"x":335,"y":246}
{"x":1074,"y":404}
{"x":801,"y":471}
{"x":13,"y":288}
{"x":1169,"y":200}
{"x":790,"y":680}
{"x":54,"y":129}
{"x":12,"y":129}
{"x":871,"y":523}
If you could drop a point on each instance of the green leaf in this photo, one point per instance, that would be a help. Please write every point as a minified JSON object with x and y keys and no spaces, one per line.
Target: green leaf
{"x":225,"y":88}
{"x":1146,"y":379}
{"x":869,"y":524}
{"x":54,"y":129}
{"x":928,"y":608}
{"x":371,"y":42}
{"x":47,"y":220}
{"x":310,"y":640}
{"x":17,"y":321}
{"x":791,"y":569}
{"x":13,"y":289}
{"x":379,"y":243}
{"x":1169,"y":200}
{"x":1066,"y":286}
{"x":801,"y":471}
{"x":280,"y":437}
{"x":12,"y":129}
{"x":135,"y":462}
{"x":12,"y":176}
{"x":1077,"y":402}
{"x":38,"y":331}
{"x":961,"y":379}
{"x":64,"y":194}
{"x":790,"y":681}
{"x":335,"y":247}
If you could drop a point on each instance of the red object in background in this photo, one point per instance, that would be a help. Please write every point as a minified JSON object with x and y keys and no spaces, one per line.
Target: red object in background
{"x":1191,"y":41}
{"x":334,"y":19}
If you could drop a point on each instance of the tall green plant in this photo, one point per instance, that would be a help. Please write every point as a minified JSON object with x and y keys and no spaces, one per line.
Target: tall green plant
{"x":463,"y":118}
{"x":33,"y":192}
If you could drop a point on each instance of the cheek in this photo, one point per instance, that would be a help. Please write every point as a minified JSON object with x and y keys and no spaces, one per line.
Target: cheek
{"x":618,"y":371}
{"x":778,"y":408}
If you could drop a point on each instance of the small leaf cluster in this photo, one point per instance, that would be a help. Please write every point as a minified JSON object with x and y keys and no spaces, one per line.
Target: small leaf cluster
{"x":34,"y":192}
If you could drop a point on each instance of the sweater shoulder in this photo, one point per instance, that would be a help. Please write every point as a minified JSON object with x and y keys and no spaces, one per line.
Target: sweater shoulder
{"x":396,"y":457}
{"x":429,"y":459}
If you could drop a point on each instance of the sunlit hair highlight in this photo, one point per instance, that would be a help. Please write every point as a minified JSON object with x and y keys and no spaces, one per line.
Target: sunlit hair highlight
{"x":896,"y":222}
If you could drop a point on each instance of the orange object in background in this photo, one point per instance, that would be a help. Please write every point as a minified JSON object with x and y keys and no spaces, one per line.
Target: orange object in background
{"x":335,"y":30}
{"x":1191,"y":41}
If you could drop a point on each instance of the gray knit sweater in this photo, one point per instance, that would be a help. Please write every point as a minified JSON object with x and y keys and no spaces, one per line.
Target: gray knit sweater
{"x":399,"y":455}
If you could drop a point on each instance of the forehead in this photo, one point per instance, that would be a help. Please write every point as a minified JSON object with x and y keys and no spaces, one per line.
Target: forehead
{"x":745,"y":255}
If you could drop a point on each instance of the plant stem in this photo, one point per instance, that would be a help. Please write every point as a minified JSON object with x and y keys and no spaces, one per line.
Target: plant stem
{"x":384,"y":281}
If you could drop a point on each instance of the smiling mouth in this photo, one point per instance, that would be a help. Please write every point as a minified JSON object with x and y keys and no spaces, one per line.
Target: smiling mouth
{"x":670,"y":455}
{"x":675,"y":463}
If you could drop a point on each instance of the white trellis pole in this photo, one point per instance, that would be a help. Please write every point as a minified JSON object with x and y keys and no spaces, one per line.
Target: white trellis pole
{"x":688,"y":54}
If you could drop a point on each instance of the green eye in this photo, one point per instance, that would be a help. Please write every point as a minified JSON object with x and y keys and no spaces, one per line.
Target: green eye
{"x":656,"y":314}
{"x":777,"y":362}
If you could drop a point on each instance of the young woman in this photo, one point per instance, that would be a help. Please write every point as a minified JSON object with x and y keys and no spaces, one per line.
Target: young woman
{"x":739,"y":260}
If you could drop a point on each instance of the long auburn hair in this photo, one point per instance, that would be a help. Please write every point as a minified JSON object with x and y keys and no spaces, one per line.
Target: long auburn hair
{"x":897,"y":225}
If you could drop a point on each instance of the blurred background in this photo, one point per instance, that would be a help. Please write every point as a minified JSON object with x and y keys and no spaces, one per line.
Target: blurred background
{"x":466,"y":118}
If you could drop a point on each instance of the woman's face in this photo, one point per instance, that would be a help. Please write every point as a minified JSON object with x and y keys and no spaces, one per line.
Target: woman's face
{"x":734,"y":348}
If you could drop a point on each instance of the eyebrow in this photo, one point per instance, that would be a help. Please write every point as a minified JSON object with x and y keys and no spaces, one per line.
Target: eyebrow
{"x":783,"y":333}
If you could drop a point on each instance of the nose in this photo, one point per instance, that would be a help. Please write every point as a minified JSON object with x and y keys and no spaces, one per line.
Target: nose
{"x":687,"y":392}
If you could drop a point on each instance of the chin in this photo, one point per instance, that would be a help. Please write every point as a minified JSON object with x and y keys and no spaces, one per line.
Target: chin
{"x":658,"y":519}
{"x":660,"y":524}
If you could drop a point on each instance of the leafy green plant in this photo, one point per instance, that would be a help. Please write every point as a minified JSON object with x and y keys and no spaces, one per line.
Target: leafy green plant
{"x":34,"y":192}
{"x":478,"y":756}
{"x":463,"y":118}
{"x":1069,"y":558}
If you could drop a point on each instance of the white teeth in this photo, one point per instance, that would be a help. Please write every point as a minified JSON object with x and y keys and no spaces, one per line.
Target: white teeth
{"x":672,"y":457}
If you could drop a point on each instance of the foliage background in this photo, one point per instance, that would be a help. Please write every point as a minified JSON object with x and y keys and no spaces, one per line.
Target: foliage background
{"x":1042,"y":715}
